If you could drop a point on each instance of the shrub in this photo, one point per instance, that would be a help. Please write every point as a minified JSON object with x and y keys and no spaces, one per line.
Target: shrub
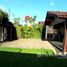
{"x":32,"y":31}
{"x":19,"y":31}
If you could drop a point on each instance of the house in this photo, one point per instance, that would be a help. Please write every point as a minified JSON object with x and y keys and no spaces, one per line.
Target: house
{"x":41,"y":23}
{"x":2,"y":32}
{"x":7,"y":32}
{"x":56,"y":27}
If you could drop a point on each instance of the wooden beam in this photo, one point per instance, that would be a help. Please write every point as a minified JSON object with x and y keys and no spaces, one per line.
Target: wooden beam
{"x":65,"y":39}
{"x":58,"y":21}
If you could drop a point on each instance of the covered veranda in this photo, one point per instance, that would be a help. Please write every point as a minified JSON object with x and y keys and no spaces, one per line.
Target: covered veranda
{"x":56,"y":27}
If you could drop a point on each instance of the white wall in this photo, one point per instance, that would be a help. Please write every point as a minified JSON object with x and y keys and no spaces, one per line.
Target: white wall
{"x":1,"y":33}
{"x":51,"y":30}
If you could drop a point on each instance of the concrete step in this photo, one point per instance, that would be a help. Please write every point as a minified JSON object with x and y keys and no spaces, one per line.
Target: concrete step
{"x":58,"y":46}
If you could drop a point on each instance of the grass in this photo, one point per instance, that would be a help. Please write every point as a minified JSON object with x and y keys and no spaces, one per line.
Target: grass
{"x":30,"y":51}
{"x":38,"y":51}
{"x":16,"y":57}
{"x":10,"y":49}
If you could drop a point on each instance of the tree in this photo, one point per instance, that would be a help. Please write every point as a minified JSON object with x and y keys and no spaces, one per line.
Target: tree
{"x":30,"y":20}
{"x":16,"y":21}
{"x":27,"y":19}
{"x":3,"y":17}
{"x":34,"y":18}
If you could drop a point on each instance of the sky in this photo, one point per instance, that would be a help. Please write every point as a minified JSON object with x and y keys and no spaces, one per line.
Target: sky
{"x":39,"y":8}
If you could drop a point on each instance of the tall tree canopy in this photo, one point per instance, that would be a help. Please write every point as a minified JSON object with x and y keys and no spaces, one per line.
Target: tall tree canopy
{"x":30,"y":19}
{"x":16,"y":21}
{"x":3,"y":16}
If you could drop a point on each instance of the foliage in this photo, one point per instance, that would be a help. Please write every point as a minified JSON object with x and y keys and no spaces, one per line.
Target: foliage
{"x":32,"y":31}
{"x":30,"y":20}
{"x":19,"y":31}
{"x":16,"y":21}
{"x":3,"y":16}
{"x":27,"y":18}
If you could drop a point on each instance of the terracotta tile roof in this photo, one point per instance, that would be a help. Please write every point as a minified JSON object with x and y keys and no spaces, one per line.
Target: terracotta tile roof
{"x":58,"y":13}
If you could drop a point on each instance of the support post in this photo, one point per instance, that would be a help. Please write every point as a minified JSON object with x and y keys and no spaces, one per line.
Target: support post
{"x":65,"y":39}
{"x":46,"y":32}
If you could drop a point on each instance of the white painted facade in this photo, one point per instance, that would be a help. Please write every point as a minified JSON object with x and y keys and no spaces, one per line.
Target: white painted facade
{"x":3,"y":34}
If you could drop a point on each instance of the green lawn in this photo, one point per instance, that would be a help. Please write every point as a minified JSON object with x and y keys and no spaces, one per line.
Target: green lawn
{"x":30,"y":51}
{"x":38,"y":51}
{"x":16,"y":57}
{"x":10,"y":49}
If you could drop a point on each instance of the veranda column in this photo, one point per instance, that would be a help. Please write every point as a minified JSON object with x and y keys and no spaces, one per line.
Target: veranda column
{"x":65,"y":39}
{"x":46,"y":32}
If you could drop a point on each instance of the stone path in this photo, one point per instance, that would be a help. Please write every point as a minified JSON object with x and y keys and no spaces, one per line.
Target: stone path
{"x":29,"y":43}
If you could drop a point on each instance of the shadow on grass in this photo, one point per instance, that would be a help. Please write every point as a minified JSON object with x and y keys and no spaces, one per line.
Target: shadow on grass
{"x":15,"y":59}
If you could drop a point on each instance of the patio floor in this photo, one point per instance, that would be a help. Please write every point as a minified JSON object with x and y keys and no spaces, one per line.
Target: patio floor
{"x":29,"y":43}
